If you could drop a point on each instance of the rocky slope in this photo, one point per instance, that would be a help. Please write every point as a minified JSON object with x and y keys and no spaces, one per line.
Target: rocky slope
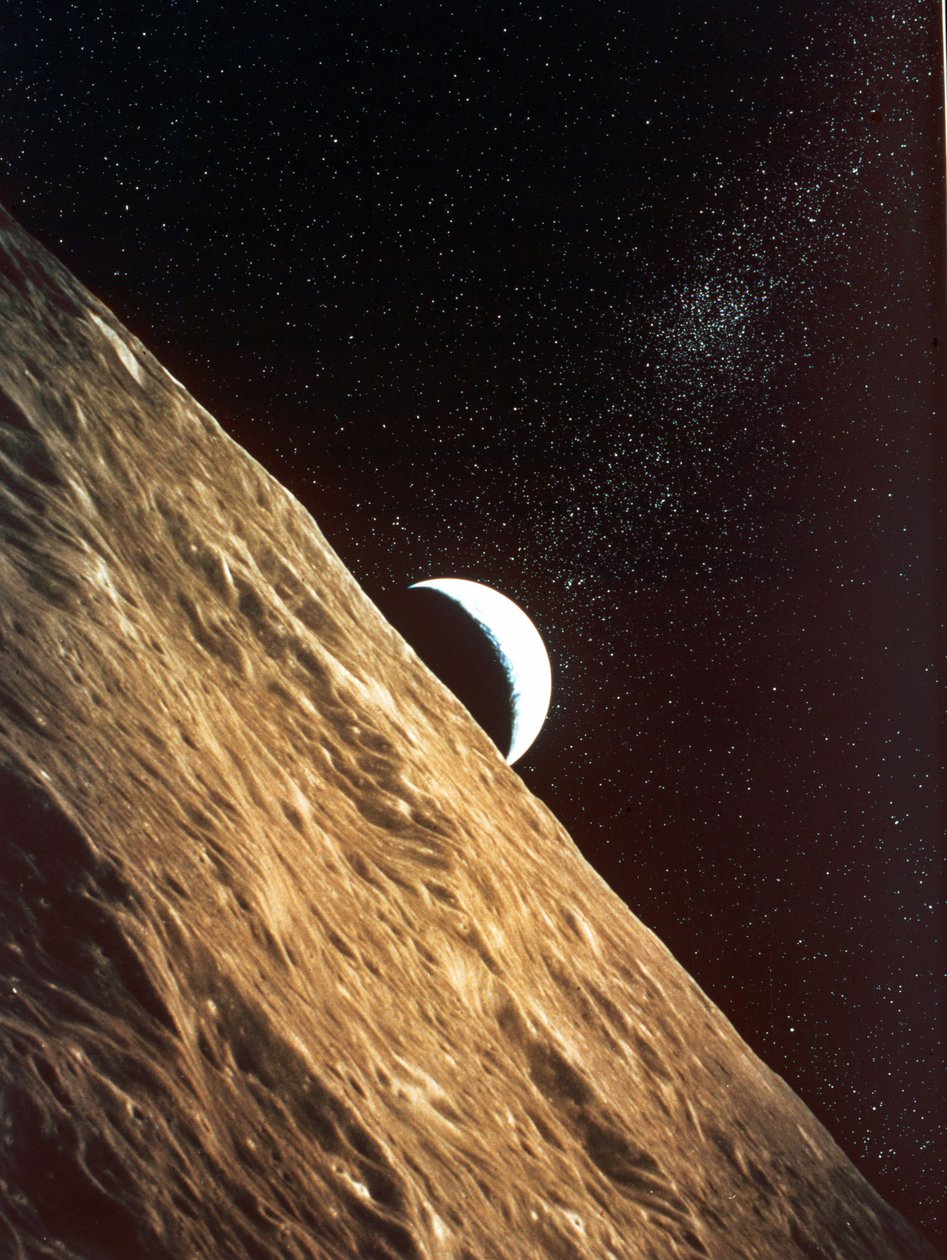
{"x":293,"y":965}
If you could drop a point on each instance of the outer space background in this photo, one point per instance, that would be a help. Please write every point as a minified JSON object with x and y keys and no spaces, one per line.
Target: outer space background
{"x":631,"y":311}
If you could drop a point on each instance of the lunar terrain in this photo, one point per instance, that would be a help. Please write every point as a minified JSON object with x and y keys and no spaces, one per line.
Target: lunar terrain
{"x":293,"y":964}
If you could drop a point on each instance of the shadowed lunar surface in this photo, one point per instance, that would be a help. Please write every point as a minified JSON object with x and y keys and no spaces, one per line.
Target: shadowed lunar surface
{"x":292,"y":964}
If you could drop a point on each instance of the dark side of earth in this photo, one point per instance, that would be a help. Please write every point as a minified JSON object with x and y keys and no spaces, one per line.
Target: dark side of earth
{"x":454,"y":647}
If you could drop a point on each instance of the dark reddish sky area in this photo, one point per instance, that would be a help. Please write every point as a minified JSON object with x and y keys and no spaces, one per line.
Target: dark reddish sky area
{"x":628,"y":310}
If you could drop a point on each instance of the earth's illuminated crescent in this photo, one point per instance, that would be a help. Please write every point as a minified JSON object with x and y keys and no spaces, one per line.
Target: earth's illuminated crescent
{"x":520,"y":648}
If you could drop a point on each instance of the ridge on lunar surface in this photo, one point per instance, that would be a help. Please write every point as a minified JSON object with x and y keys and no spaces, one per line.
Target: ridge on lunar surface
{"x":293,"y":965}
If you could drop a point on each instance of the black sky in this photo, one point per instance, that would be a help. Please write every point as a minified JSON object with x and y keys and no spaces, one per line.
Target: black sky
{"x":628,"y":310}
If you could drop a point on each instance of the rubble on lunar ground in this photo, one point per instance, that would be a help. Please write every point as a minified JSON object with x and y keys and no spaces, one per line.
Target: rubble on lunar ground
{"x":293,"y":965}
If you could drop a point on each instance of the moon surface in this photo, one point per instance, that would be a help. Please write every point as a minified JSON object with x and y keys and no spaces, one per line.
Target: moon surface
{"x":520,"y":649}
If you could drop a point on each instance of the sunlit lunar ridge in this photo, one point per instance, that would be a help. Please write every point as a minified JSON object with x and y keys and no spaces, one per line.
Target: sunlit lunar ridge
{"x":520,"y":648}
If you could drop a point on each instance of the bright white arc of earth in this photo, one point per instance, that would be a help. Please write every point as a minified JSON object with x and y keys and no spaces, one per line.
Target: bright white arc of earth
{"x":520,"y":648}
